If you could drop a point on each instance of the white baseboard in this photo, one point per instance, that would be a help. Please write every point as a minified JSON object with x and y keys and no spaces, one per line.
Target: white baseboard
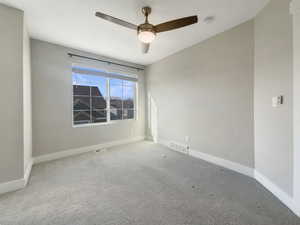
{"x":223,"y":163}
{"x":15,"y":185}
{"x":76,"y":151}
{"x":217,"y":161}
{"x":12,"y":186}
{"x":274,"y":189}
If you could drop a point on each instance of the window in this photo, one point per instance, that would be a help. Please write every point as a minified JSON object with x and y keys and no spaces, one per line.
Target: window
{"x":100,"y":97}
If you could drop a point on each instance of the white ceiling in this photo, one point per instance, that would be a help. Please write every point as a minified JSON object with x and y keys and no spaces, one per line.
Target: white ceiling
{"x":72,"y":23}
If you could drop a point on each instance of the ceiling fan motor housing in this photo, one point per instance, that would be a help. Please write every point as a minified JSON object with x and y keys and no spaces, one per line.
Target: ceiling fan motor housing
{"x":146,"y":27}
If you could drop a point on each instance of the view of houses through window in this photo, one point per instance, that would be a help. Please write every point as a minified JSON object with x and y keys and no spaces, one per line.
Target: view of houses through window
{"x":99,"y":99}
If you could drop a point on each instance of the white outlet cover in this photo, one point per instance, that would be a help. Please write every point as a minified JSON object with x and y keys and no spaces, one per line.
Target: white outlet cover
{"x":277,"y":101}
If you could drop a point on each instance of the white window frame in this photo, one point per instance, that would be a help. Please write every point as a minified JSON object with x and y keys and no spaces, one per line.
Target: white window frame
{"x":109,"y":121}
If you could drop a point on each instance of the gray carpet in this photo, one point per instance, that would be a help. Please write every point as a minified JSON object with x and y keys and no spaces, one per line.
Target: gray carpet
{"x":140,"y":184}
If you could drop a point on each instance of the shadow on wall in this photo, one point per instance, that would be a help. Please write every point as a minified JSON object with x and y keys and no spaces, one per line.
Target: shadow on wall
{"x":152,"y":118}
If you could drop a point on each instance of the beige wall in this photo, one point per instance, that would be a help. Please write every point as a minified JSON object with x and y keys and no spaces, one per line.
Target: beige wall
{"x":273,"y":77}
{"x":11,"y":117}
{"x":206,"y":92}
{"x":52,"y":105}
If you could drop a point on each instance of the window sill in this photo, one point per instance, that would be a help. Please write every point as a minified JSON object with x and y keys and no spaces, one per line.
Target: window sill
{"x":103,"y":124}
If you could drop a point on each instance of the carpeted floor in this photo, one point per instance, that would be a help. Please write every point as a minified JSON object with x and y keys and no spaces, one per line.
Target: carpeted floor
{"x":140,"y":184}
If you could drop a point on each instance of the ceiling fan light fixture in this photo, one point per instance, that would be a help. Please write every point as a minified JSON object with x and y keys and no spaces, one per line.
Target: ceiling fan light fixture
{"x":146,"y":36}
{"x":147,"y":32}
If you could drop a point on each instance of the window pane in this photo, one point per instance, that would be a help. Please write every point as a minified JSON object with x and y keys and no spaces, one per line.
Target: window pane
{"x":116,"y":103}
{"x":99,"y":116}
{"x":128,"y":114}
{"x":116,"y":92}
{"x":128,"y":99}
{"x":81,"y":90}
{"x":128,"y":83}
{"x":116,"y":82}
{"x":81,"y":103}
{"x":98,"y":103}
{"x":95,"y":82}
{"x":99,"y":92}
{"x":81,"y":117}
{"x":115,"y":114}
{"x":128,"y":104}
{"x":128,"y":92}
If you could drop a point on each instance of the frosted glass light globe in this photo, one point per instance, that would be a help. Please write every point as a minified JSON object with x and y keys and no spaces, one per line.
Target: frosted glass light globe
{"x":146,"y":36}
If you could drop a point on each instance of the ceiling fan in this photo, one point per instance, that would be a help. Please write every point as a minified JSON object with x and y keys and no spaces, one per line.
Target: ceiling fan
{"x":146,"y":31}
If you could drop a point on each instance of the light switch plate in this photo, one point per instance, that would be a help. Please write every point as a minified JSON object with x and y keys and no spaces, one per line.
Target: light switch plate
{"x":277,"y":101}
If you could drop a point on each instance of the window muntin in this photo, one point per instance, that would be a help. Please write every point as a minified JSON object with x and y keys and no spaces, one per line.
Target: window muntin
{"x":98,"y":99}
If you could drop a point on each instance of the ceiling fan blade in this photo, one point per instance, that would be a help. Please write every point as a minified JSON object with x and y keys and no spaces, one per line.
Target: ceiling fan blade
{"x":145,"y":47}
{"x":116,"y":20}
{"x":175,"y":24}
